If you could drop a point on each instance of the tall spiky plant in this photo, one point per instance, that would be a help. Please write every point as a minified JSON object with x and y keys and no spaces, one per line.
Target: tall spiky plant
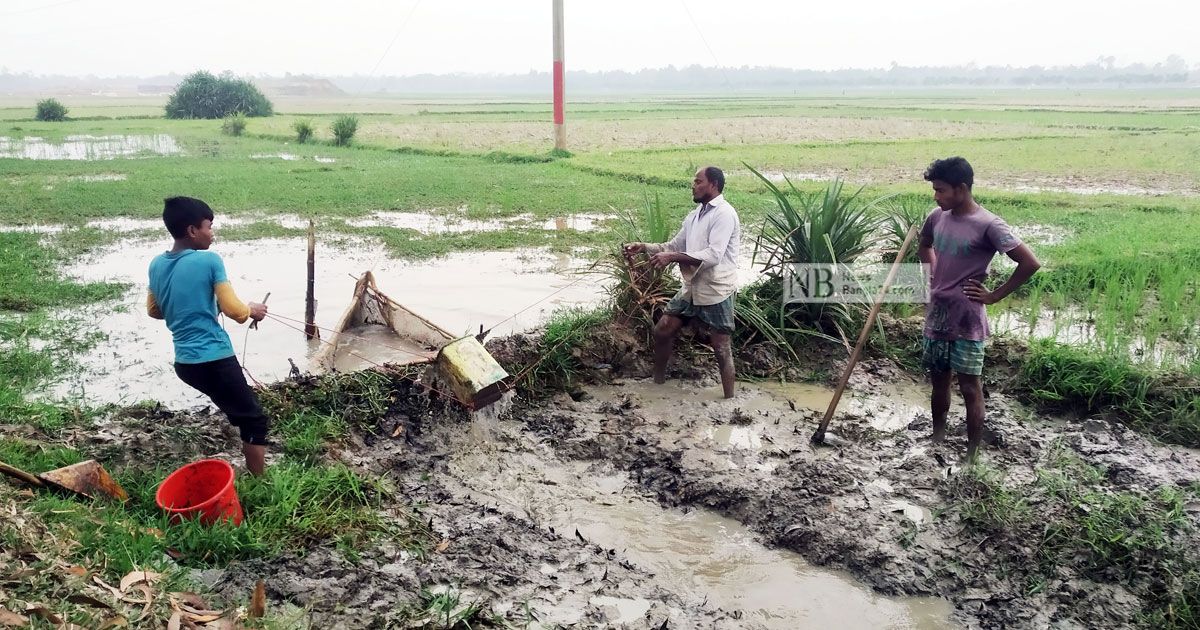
{"x":900,"y":215}
{"x":827,"y":227}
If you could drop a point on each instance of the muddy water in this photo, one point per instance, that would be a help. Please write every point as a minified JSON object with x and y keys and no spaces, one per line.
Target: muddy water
{"x":88,"y":147}
{"x":456,"y":222}
{"x":458,"y":292}
{"x":1073,"y":326}
{"x":697,"y":552}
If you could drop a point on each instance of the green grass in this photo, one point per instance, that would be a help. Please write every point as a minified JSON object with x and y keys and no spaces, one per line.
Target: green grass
{"x":1070,"y":518}
{"x":557,"y":363}
{"x":35,"y":346}
{"x":32,"y":281}
{"x":1164,"y":406}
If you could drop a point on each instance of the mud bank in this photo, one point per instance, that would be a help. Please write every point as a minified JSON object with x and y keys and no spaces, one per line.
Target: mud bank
{"x":882,"y":503}
{"x":526,"y":535}
{"x":508,"y":566}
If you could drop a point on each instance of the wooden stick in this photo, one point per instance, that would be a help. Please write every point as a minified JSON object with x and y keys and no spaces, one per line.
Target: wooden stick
{"x":310,"y":304}
{"x":819,"y":435}
{"x":17,"y":473}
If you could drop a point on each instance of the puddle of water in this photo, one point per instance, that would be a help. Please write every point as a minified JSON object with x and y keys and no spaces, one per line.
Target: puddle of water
{"x":124,"y":225}
{"x":913,"y":512}
{"x":88,"y":147}
{"x":427,"y":223}
{"x":577,"y":222}
{"x":290,"y":157}
{"x":458,"y":292}
{"x":32,"y":229}
{"x":101,"y":177}
{"x":1099,"y":189}
{"x":737,"y":437}
{"x":1039,"y":234}
{"x":620,"y":609}
{"x":780,"y":176}
{"x":1072,"y":326}
{"x":889,"y":406}
{"x":699,"y":552}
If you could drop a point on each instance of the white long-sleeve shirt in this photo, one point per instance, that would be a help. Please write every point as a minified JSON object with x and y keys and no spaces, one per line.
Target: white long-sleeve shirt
{"x":711,"y":234}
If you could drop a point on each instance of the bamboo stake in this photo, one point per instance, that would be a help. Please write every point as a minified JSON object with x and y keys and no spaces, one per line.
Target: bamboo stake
{"x":819,"y":436}
{"x":310,"y":304}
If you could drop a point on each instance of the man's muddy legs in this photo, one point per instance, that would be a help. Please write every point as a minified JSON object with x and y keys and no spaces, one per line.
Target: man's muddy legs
{"x":723,"y":349}
{"x":940,"y":403}
{"x":665,"y":332}
{"x":971,"y":387}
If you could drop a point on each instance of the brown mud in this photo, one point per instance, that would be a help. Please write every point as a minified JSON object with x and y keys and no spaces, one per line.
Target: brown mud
{"x":882,"y":502}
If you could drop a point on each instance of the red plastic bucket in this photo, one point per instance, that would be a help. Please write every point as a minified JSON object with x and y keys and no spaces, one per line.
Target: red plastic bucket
{"x":201,"y":489}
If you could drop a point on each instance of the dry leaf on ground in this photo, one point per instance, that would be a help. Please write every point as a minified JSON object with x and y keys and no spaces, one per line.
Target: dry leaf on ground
{"x":10,"y":618}
{"x":116,"y":622}
{"x":38,"y":610}
{"x":135,"y":577}
{"x":87,"y":600}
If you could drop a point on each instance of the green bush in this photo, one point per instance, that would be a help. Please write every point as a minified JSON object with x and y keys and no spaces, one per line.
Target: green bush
{"x":234,"y":125}
{"x":203,"y":95}
{"x":343,"y":129}
{"x":51,"y":110}
{"x":304,"y":130}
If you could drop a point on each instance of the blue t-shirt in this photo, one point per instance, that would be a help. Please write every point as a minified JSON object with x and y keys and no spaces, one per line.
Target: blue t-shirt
{"x":183,"y":285}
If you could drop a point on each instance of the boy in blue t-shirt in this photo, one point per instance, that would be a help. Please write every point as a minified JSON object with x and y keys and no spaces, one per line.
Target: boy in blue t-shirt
{"x":187,"y":287}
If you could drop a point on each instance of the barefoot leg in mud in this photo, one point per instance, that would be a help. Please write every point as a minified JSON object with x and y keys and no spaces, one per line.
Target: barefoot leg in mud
{"x":971,"y":387}
{"x":665,"y":332}
{"x":940,"y":403}
{"x":722,"y":347}
{"x":256,"y":458}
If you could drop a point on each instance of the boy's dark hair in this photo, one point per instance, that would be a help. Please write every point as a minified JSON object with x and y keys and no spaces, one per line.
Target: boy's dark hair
{"x":181,"y":212}
{"x":953,"y":171}
{"x":716,"y":176}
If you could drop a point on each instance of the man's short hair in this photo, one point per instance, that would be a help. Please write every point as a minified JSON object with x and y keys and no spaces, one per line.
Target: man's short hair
{"x":716,"y":176}
{"x":952,"y":170}
{"x":181,"y":212}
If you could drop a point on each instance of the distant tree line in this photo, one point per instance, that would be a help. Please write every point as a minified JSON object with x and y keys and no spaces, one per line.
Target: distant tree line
{"x":1102,"y":72}
{"x":1173,"y":71}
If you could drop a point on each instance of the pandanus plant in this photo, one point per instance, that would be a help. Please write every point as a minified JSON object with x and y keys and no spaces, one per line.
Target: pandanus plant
{"x":826,"y":227}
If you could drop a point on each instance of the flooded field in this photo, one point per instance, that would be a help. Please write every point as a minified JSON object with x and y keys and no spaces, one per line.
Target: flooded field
{"x":460,"y":292}
{"x":87,"y":147}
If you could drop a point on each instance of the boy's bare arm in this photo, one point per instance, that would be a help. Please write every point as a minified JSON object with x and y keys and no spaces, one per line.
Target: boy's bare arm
{"x":152,"y":308}
{"x":1027,"y":265}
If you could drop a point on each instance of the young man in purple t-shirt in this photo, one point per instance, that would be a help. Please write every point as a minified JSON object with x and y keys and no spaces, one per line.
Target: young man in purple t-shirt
{"x":958,"y":241}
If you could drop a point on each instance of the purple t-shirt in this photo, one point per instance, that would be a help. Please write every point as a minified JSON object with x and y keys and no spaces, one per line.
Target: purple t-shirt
{"x":964,"y":247}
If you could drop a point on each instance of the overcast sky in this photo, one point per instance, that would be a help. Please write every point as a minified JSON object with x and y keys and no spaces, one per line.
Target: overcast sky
{"x":144,"y":37}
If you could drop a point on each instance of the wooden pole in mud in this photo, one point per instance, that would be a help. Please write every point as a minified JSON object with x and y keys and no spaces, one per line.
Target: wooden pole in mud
{"x":819,"y":435}
{"x":310,"y":303}
{"x":560,"y":129}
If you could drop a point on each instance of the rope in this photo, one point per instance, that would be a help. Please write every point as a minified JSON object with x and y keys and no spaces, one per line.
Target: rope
{"x":282,"y":319}
{"x":552,"y":294}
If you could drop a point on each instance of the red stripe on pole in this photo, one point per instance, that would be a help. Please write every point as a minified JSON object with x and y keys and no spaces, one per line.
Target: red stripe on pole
{"x":558,"y":92}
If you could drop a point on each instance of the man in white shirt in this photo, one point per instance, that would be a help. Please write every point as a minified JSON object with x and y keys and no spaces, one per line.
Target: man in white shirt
{"x":706,"y":249}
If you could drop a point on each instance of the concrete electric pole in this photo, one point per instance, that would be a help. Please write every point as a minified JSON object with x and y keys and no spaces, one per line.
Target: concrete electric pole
{"x":560,"y":130}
